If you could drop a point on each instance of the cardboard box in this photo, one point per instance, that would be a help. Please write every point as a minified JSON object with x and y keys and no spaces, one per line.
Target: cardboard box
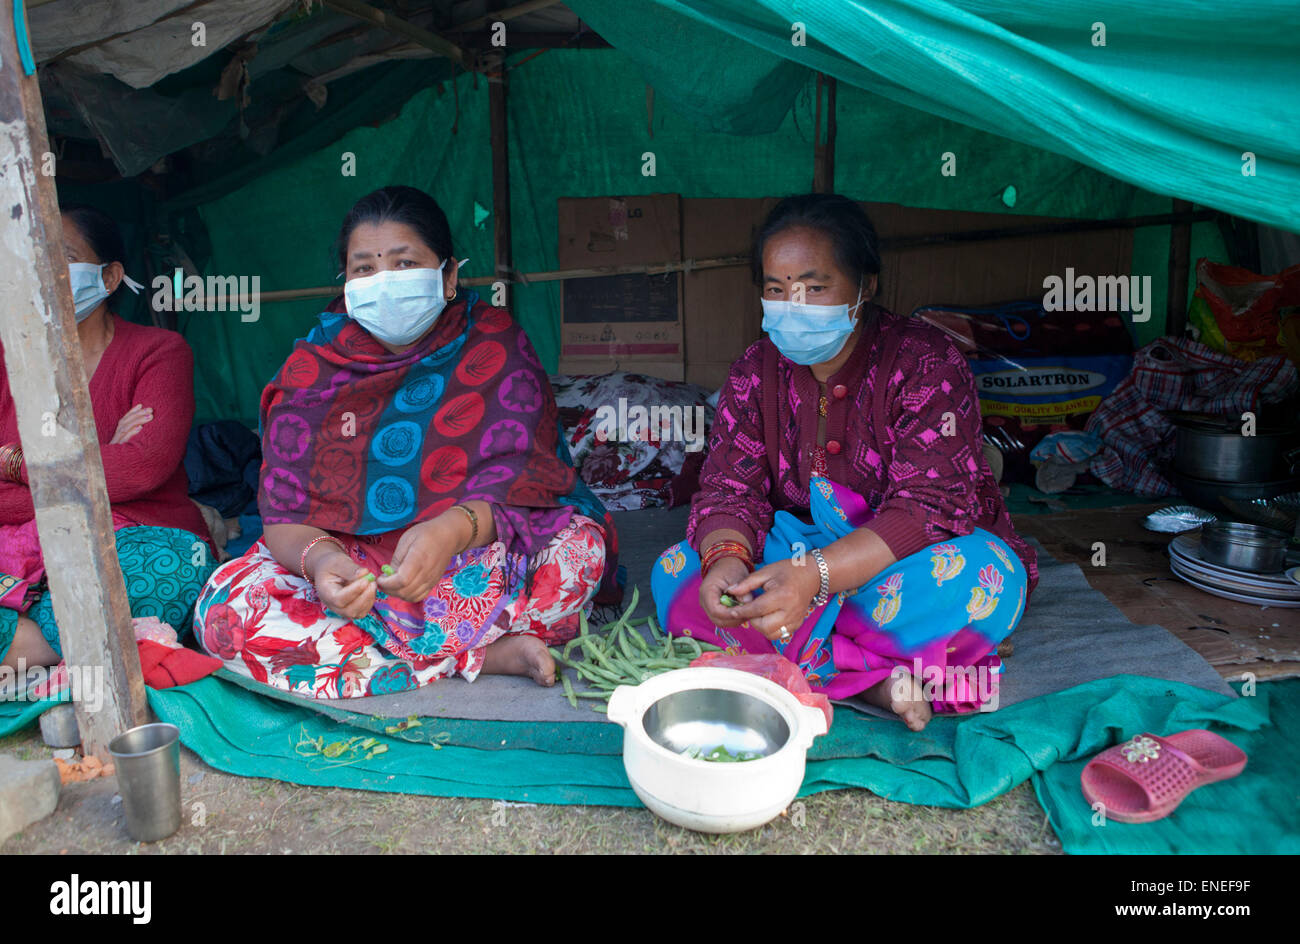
{"x":983,"y":273}
{"x":609,"y":323}
{"x":721,"y":311}
{"x":627,"y":322}
{"x":664,"y":370}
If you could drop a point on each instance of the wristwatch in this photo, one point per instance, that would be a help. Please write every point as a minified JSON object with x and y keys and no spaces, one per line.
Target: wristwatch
{"x":823,"y":591}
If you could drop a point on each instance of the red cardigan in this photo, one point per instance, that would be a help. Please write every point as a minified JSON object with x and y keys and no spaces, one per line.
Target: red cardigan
{"x":145,"y":475}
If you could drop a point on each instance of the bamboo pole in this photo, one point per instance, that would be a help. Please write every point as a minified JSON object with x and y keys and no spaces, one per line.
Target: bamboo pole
{"x":509,"y":13}
{"x":824,"y":140}
{"x":503,"y":248}
{"x":56,"y":422}
{"x":1180,"y":261}
{"x":524,"y":278}
{"x":888,"y":244}
{"x":393,"y":24}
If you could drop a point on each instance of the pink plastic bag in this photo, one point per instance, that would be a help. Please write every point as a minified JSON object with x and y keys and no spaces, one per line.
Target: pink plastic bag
{"x":774,"y":668}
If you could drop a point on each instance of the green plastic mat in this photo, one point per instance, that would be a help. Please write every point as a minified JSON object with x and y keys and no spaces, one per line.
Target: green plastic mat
{"x":1082,"y":496}
{"x":955,"y":763}
{"x":16,"y":715}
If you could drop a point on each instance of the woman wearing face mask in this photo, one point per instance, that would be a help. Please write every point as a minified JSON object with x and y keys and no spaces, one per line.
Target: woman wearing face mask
{"x":423,"y":518}
{"x":142,"y":393}
{"x":909,"y":573}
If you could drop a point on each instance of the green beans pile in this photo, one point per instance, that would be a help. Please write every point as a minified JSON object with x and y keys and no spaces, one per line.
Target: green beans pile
{"x":618,"y":654}
{"x":720,"y":754}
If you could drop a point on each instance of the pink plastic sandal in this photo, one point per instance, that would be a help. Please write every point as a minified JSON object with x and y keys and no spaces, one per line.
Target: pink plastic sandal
{"x":1145,"y":778}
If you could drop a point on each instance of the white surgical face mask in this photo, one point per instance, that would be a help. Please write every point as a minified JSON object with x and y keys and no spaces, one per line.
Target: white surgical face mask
{"x":88,"y":288}
{"x":809,"y":334}
{"x":397,"y":306}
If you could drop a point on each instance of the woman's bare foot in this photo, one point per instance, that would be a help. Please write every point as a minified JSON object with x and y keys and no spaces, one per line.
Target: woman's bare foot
{"x":901,"y":693}
{"x":520,"y":655}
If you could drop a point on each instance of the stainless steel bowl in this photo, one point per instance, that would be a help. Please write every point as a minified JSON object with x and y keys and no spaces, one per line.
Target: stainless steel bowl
{"x":1241,"y":546}
{"x":705,"y":718}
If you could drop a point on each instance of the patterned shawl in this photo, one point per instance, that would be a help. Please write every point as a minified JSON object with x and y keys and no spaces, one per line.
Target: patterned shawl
{"x":359,"y":440}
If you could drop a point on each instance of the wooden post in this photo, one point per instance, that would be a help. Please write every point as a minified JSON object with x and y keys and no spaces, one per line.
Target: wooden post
{"x":1180,"y":261}
{"x":502,"y":246}
{"x":824,"y":145}
{"x":55,"y":422}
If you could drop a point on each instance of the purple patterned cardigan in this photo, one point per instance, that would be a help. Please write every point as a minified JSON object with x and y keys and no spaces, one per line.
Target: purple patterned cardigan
{"x":924,"y":486}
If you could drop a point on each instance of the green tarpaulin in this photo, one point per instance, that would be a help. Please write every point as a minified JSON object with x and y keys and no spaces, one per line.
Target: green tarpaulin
{"x":1168,"y":97}
{"x":954,"y":763}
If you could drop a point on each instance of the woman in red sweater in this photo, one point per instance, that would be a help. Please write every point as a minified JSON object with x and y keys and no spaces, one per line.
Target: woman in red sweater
{"x":141,"y":389}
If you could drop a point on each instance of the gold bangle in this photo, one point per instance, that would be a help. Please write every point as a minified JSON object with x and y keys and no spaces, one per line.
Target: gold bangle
{"x":473,"y":524}
{"x":302,"y":563}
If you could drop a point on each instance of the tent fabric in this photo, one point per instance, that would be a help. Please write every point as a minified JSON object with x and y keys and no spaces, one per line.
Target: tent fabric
{"x":579,"y":125}
{"x":160,"y":39}
{"x":1170,"y":102}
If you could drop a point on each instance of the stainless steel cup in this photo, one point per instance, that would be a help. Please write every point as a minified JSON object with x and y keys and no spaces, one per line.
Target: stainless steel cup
{"x":59,"y":726}
{"x":148,"y":764}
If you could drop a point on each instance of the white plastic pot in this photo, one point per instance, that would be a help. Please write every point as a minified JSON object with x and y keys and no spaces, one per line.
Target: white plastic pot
{"x":709,"y":796}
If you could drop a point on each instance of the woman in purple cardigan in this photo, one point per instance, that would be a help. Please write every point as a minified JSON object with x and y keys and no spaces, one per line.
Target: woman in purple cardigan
{"x":846,"y":516}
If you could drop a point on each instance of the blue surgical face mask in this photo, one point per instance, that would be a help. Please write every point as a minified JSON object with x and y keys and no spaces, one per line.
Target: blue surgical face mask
{"x":396,"y":306}
{"x":88,"y":288}
{"x":809,"y":334}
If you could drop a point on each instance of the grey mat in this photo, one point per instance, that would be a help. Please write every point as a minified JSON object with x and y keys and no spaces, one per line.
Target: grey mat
{"x":1070,"y":634}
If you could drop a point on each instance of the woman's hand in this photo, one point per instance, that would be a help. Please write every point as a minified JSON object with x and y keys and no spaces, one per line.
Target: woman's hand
{"x":788,"y":589}
{"x":423,"y":553}
{"x":725,"y":572}
{"x":343,"y":585}
{"x":131,"y":423}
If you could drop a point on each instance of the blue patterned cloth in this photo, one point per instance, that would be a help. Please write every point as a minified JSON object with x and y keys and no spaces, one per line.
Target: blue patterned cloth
{"x":164,"y":569}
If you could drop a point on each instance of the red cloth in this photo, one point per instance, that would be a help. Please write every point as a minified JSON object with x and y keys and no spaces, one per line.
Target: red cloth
{"x":164,"y":666}
{"x":146,"y":475}
{"x":1174,"y":374}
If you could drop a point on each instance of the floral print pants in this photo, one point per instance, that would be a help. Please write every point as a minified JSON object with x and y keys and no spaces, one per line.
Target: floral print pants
{"x":266,"y":622}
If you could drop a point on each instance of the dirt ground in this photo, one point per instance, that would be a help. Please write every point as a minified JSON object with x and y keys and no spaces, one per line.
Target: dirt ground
{"x":227,"y":814}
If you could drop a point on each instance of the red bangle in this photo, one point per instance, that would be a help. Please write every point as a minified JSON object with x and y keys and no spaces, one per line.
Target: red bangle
{"x":302,"y":564}
{"x":722,"y":549}
{"x":11,"y":462}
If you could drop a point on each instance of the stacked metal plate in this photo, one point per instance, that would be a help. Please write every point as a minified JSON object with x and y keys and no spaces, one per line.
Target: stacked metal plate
{"x":1177,"y":518}
{"x":1260,"y":589}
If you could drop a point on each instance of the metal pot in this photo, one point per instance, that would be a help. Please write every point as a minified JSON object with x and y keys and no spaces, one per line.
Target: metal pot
{"x":1213,"y":448}
{"x":1210,"y":495}
{"x":1245,"y":547}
